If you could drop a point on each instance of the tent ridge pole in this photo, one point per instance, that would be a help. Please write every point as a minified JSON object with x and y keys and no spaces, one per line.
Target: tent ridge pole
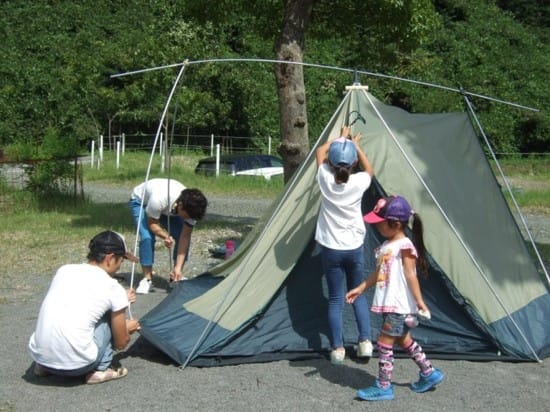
{"x":321,"y":66}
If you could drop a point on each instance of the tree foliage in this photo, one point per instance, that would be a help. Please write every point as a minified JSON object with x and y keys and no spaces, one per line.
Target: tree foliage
{"x":58,"y":58}
{"x":485,"y":51}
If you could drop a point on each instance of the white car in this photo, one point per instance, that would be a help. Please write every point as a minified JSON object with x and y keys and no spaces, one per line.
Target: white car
{"x":242,"y":165}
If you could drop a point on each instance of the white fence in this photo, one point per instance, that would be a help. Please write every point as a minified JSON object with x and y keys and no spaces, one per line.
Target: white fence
{"x":193,"y":143}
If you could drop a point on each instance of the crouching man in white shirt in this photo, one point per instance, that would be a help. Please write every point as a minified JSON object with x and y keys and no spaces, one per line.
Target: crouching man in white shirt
{"x":82,"y":319}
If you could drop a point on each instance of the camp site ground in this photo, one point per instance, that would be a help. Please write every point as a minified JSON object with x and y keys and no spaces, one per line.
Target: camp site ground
{"x":155,"y":383}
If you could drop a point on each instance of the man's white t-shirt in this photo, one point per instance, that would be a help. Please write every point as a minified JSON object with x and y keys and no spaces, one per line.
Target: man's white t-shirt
{"x":78,"y":297}
{"x":392,"y":293}
{"x":154,"y":194}
{"x":340,"y":223}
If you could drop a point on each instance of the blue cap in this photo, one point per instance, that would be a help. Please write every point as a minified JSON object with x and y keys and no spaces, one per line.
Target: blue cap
{"x":342,"y":152}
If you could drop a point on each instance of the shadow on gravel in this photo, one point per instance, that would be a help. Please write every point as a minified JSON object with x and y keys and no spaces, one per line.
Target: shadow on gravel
{"x":354,"y":375}
{"x":60,"y":381}
{"x":141,"y":348}
{"x":342,"y":375}
{"x":217,"y":220}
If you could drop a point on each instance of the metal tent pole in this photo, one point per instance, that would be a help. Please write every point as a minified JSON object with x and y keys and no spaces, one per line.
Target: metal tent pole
{"x":321,"y":66}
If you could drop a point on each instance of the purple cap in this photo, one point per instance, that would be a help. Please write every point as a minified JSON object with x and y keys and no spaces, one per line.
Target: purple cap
{"x":390,"y":208}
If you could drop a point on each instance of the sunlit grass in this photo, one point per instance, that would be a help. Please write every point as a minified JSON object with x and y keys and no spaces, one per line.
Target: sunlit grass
{"x":535,"y":167}
{"x":535,"y":202}
{"x":529,"y":179}
{"x":133,"y":168}
{"x":38,"y":234}
{"x":47,"y":232}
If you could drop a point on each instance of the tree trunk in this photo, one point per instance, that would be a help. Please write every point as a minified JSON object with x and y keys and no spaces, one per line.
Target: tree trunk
{"x":290,"y":85}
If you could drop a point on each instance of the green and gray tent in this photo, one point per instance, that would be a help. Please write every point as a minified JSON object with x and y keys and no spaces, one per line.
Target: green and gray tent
{"x":488,"y":297}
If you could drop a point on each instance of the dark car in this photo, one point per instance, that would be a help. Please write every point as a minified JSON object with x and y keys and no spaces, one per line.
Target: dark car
{"x":242,"y":165}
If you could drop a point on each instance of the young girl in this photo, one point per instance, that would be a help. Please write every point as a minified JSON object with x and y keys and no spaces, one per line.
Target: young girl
{"x":397,"y":295}
{"x":340,"y":233}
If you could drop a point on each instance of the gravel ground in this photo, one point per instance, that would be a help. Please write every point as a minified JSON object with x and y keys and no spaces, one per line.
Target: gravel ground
{"x":155,"y":383}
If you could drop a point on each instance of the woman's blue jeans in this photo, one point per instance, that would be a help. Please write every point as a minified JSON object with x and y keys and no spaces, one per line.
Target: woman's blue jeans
{"x":147,"y":237}
{"x":344,"y":270}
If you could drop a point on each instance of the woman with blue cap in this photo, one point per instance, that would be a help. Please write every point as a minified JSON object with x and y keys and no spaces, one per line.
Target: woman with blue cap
{"x":340,"y":232}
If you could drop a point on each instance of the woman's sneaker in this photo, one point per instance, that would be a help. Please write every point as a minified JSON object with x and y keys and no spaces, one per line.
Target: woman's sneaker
{"x":337,"y":356}
{"x":364,"y":349}
{"x":425,"y":383}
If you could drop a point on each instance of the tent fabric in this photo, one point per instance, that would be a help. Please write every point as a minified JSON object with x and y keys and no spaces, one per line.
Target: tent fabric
{"x":485,"y":293}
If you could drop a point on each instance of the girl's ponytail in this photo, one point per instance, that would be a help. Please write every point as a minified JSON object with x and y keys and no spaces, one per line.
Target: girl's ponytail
{"x":418,"y":241}
{"x":341,"y":173}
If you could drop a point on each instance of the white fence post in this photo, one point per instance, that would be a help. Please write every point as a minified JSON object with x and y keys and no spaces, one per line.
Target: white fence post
{"x":163,"y":154}
{"x":92,"y":150}
{"x":117,"y":154}
{"x":100,"y":148}
{"x":217,"y":159}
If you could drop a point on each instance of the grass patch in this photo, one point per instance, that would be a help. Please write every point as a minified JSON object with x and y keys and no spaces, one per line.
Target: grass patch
{"x":133,"y":167}
{"x":544,"y":250}
{"x":40,"y":234}
{"x":7,"y":406}
{"x":534,"y":202}
{"x":536,"y":168}
{"x":529,"y":179}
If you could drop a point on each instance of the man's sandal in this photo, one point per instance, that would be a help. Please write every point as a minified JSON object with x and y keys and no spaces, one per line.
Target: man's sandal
{"x":39,"y":371}
{"x":106,"y":375}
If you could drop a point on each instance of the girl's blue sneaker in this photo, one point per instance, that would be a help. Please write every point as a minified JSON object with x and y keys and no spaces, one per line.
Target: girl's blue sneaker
{"x":425,"y":383}
{"x":376,"y":393}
